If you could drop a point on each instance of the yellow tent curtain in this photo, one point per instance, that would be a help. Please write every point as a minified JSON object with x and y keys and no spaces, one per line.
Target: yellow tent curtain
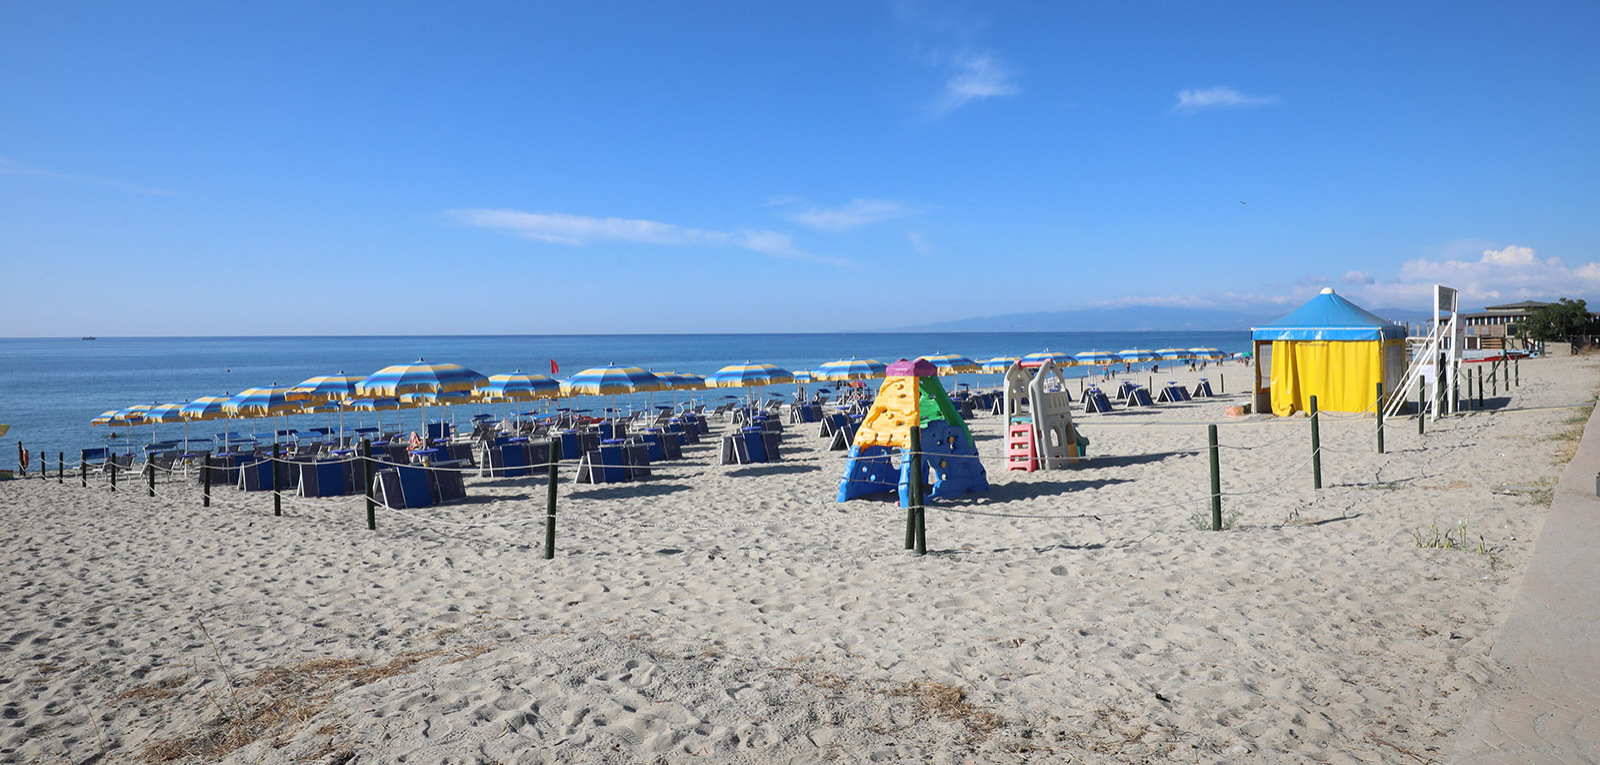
{"x":1343,"y":375}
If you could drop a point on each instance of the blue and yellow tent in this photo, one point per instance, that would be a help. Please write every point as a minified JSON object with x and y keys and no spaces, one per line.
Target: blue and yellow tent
{"x":1330,"y":348}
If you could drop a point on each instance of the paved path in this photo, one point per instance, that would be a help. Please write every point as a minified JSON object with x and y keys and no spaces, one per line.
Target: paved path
{"x":1547,"y":708}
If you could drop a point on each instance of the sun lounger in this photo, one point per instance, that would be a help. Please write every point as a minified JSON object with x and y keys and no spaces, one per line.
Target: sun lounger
{"x":447,"y":485}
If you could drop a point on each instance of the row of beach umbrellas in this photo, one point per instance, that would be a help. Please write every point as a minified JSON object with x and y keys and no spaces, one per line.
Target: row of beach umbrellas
{"x":423,"y":384}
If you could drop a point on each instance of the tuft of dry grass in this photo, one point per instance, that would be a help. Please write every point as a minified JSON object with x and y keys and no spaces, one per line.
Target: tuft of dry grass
{"x":949,"y":702}
{"x":161,"y":689}
{"x":277,"y":702}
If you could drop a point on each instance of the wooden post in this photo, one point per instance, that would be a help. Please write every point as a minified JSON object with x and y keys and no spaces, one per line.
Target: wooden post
{"x":1216,"y":480}
{"x":150,"y":475}
{"x":1516,"y":365}
{"x":277,"y":496}
{"x":1494,"y":378}
{"x":83,"y":469}
{"x":1422,"y":398}
{"x":1508,"y":375}
{"x":113,"y":472}
{"x":1222,"y":384}
{"x":366,"y":481}
{"x":205,"y":481}
{"x":1316,"y":447}
{"x":61,"y":467}
{"x":911,"y":489}
{"x":1480,"y":386}
{"x":1380,"y":418}
{"x":918,"y":514}
{"x":553,"y":457}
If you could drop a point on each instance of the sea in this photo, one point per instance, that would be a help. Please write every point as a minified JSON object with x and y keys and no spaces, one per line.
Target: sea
{"x":50,"y":388}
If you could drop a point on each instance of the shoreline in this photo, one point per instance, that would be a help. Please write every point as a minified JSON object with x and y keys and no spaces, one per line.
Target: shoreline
{"x":721,"y":613}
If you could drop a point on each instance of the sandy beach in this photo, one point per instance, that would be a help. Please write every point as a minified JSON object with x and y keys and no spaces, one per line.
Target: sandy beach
{"x":740,"y":614}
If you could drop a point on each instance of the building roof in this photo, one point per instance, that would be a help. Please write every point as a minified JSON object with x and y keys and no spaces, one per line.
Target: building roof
{"x":1329,"y":317}
{"x":1526,"y":305}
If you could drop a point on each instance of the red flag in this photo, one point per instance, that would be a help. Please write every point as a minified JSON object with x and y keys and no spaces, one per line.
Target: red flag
{"x":555,"y":368}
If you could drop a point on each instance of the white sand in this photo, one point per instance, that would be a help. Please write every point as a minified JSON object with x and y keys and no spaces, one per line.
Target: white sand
{"x":1110,"y":630}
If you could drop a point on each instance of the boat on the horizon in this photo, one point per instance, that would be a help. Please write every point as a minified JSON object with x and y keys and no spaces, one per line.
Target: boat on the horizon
{"x":88,"y":337}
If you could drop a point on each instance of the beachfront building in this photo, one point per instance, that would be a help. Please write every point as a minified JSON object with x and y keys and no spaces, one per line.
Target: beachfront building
{"x":1499,"y":327}
{"x":1330,"y":348}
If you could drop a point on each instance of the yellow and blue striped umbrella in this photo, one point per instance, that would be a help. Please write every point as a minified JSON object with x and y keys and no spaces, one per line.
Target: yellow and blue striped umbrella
{"x":1207,"y":353}
{"x":1060,"y":359}
{"x":952,"y":364}
{"x":260,"y":402}
{"x":1174,"y":354}
{"x":326,"y":388}
{"x":164,"y":413}
{"x":1137,"y":354}
{"x":204,"y":408}
{"x":748,"y":374}
{"x":421,"y":377}
{"x":519,"y":386}
{"x":998,"y":364}
{"x":850,"y":369}
{"x":1097,"y":357}
{"x":611,"y":381}
{"x":120,"y":418}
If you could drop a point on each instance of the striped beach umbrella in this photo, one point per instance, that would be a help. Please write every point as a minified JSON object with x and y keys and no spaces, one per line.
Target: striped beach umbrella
{"x":849,"y":369}
{"x":1096,"y":357}
{"x":1173,"y":354}
{"x":611,"y":381}
{"x":120,"y":418}
{"x":1137,"y":354}
{"x":421,"y":377}
{"x":375,"y":405}
{"x":749,"y":375}
{"x":1207,"y":353}
{"x":519,"y":386}
{"x":998,"y":364}
{"x":1033,"y":360}
{"x":255,"y":403}
{"x":202,"y":409}
{"x":325,"y":388}
{"x":951,"y":363}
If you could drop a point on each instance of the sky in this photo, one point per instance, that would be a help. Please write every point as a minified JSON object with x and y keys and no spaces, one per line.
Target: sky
{"x":606,"y":167}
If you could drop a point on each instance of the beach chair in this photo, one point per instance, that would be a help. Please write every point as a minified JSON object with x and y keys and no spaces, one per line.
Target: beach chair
{"x":1094,"y":400}
{"x":447,"y":485}
{"x":1138,"y":396}
{"x":638,"y":459}
{"x":606,"y":464}
{"x":513,"y":460}
{"x":321,"y":479}
{"x":1202,"y":389}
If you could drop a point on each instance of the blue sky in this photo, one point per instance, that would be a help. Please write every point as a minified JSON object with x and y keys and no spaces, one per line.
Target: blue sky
{"x":347,"y":168}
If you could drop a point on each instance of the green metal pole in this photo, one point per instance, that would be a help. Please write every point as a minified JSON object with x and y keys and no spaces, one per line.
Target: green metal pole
{"x":277,"y":496}
{"x":1455,"y":389}
{"x":1494,"y":378}
{"x":554,"y":456}
{"x":1316,"y":447}
{"x":205,"y":482}
{"x":1508,"y":375}
{"x":1216,"y":480}
{"x":1222,"y":384}
{"x":366,"y":481}
{"x":1380,"y":418}
{"x":1480,"y":386}
{"x":1516,"y":366}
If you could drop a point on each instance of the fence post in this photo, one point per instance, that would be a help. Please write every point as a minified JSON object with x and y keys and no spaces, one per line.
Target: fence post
{"x":1455,"y":389}
{"x":205,"y":481}
{"x":83,"y":470}
{"x":1508,"y":375}
{"x":1516,"y":365}
{"x":277,"y":497}
{"x":1216,"y":480}
{"x":1380,"y":418}
{"x":1422,"y":397}
{"x":113,"y":472}
{"x":911,"y":488}
{"x":366,"y":480}
{"x":921,"y":513}
{"x":150,"y":475}
{"x":1480,"y":387}
{"x":1316,"y":447}
{"x":553,"y":456}
{"x":61,"y":467}
{"x":1494,"y":378}
{"x":1222,"y":383}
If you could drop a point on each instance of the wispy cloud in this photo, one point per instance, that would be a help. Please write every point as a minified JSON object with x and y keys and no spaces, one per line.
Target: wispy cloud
{"x":580,"y":230}
{"x":12,"y":167}
{"x":1358,"y":277}
{"x":1219,"y":97}
{"x":858,"y":213}
{"x":1230,"y":301}
{"x":976,"y":77}
{"x":919,"y":244}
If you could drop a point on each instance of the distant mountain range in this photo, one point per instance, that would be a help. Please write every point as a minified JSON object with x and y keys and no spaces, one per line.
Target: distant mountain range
{"x":1131,"y":319}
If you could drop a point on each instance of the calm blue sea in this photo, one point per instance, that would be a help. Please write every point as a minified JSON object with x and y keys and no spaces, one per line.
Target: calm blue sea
{"x":51,"y":388}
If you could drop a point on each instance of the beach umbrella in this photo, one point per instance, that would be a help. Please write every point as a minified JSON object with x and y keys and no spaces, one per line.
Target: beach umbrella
{"x":201,"y":409}
{"x":519,"y":386}
{"x":321,"y":390}
{"x":425,"y":399}
{"x":611,"y":381}
{"x":374,"y":405}
{"x":676,"y":381}
{"x":1137,"y":354}
{"x":1173,"y":354}
{"x":1207,"y":353}
{"x":256,"y":403}
{"x":847,"y":369}
{"x":1096,"y":357}
{"x":421,"y":377}
{"x":751,"y":375}
{"x":951,"y":364}
{"x":120,"y":418}
{"x":1034,"y":360}
{"x":165,"y":413}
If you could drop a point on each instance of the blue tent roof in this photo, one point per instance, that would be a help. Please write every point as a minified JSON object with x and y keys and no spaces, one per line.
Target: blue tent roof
{"x":1329,"y":317}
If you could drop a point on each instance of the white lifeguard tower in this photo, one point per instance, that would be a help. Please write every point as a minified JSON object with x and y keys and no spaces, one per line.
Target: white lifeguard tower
{"x":1435,"y":365}
{"x":1038,"y":409}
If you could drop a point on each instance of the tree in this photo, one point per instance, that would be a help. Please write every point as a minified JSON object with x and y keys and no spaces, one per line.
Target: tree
{"x":1558,"y":321}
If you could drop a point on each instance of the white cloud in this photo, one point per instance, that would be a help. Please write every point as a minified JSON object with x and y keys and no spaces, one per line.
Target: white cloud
{"x":918,"y":243}
{"x":858,"y":213}
{"x":1219,"y":97}
{"x":1358,"y":277}
{"x":1229,"y":301}
{"x":1513,"y":272}
{"x":11,"y":167}
{"x":580,"y":230}
{"x":977,"y":77}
